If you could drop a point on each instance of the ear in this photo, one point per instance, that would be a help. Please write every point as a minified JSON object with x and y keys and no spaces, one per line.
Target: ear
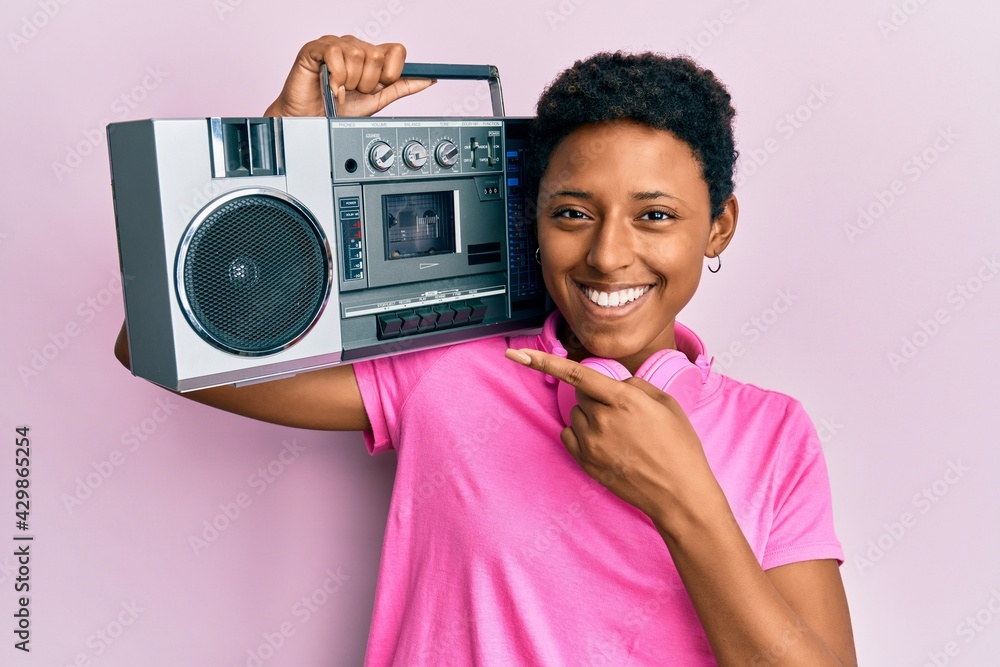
{"x":723,"y":228}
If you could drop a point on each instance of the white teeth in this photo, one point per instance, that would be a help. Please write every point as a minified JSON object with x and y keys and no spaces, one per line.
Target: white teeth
{"x":613,"y":299}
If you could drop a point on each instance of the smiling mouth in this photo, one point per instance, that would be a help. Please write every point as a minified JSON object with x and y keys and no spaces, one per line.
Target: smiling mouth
{"x":613,"y":299}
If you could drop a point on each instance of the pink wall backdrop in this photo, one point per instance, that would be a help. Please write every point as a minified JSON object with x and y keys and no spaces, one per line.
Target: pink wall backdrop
{"x":863,"y":280}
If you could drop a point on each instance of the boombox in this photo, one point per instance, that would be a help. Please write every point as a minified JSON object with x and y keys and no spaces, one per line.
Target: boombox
{"x":257,"y":248}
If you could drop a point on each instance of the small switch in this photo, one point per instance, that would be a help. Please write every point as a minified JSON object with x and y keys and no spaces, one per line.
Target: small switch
{"x":478,"y":311}
{"x":462,"y":314}
{"x":389,"y":325}
{"x":492,"y":151}
{"x":427,"y":319}
{"x":410,"y":322}
{"x":445,"y":316}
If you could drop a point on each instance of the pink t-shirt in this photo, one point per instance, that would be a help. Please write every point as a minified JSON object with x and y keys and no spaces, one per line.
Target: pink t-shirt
{"x":500,"y":550}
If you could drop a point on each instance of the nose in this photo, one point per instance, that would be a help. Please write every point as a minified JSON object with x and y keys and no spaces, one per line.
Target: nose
{"x":612,"y":246}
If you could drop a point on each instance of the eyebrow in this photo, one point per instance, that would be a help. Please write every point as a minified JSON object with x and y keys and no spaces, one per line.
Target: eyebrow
{"x":638,"y":196}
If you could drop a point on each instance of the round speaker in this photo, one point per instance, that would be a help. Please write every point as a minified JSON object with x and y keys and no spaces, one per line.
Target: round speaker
{"x":253,"y":272}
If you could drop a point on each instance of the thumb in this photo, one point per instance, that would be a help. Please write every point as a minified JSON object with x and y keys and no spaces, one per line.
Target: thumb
{"x":402,"y":88}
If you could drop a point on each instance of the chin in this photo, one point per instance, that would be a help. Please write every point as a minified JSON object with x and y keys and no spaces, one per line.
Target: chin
{"x":604,"y":347}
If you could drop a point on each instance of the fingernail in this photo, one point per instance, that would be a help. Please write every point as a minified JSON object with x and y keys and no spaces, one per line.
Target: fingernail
{"x":519,"y":356}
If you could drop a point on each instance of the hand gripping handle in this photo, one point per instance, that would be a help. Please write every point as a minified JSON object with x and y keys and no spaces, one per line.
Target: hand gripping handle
{"x":431,"y":71}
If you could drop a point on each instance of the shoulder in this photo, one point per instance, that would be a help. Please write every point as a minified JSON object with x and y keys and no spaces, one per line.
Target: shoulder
{"x":749,"y":401}
{"x":761,"y":427}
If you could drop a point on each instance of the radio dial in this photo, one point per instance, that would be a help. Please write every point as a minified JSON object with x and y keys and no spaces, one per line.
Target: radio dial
{"x":446,"y":154}
{"x":380,"y":156}
{"x":414,"y":155}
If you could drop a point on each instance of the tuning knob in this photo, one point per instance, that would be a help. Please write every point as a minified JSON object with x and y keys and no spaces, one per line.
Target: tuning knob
{"x":414,"y":155}
{"x":380,"y":156}
{"x":446,"y":154}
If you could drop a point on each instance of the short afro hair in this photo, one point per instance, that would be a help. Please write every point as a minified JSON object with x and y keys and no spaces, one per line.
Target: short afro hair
{"x":664,"y":93}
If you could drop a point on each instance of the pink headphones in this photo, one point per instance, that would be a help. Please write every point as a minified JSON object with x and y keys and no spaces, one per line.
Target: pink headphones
{"x":669,"y":370}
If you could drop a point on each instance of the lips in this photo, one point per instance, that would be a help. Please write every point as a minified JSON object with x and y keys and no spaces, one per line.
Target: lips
{"x":615,"y":298}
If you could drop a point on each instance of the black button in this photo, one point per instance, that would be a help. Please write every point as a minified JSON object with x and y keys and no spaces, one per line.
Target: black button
{"x":462,"y":314}
{"x":427,"y":319}
{"x":389,"y":325}
{"x":410,"y":322}
{"x":445,"y":316}
{"x":478,"y":311}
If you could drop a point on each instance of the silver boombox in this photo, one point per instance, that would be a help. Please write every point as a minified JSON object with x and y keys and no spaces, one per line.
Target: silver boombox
{"x":257,"y":248}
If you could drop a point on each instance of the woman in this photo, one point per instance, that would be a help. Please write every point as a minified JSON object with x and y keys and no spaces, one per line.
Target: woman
{"x":651,"y":535}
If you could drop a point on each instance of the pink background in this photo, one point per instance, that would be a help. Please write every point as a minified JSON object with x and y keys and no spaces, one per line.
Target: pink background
{"x":920,"y":568}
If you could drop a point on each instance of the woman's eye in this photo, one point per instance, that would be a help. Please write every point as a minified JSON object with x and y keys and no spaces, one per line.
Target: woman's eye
{"x":657,"y":216}
{"x":571,"y":213}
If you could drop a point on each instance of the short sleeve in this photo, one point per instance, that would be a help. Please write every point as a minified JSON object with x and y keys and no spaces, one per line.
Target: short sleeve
{"x":802,"y":528}
{"x":386,"y":383}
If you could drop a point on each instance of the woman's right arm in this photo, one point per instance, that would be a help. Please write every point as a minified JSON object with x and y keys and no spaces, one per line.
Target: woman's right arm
{"x":365,"y":78}
{"x":327,"y":399}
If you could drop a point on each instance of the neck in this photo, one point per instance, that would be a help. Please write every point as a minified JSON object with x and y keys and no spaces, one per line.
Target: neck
{"x":577,"y":352}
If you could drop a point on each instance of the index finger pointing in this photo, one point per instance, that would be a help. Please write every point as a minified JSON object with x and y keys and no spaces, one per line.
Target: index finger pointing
{"x":594,"y":384}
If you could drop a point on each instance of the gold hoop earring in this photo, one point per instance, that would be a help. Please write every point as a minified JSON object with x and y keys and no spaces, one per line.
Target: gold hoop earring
{"x":719,"y":267}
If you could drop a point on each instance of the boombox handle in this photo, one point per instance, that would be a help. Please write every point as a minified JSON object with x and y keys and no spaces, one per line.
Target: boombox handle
{"x":431,"y":71}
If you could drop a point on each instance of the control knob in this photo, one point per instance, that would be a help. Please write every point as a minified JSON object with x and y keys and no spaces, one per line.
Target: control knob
{"x":380,"y":156}
{"x":414,"y":155}
{"x":446,"y":154}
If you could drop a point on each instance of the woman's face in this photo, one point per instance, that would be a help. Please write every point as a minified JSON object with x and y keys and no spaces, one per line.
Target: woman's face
{"x":623,"y":225}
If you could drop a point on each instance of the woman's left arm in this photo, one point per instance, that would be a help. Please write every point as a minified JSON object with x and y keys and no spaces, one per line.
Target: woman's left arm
{"x":794,"y":614}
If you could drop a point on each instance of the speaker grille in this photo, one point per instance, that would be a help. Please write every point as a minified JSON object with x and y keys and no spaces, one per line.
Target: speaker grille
{"x":255,"y":273}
